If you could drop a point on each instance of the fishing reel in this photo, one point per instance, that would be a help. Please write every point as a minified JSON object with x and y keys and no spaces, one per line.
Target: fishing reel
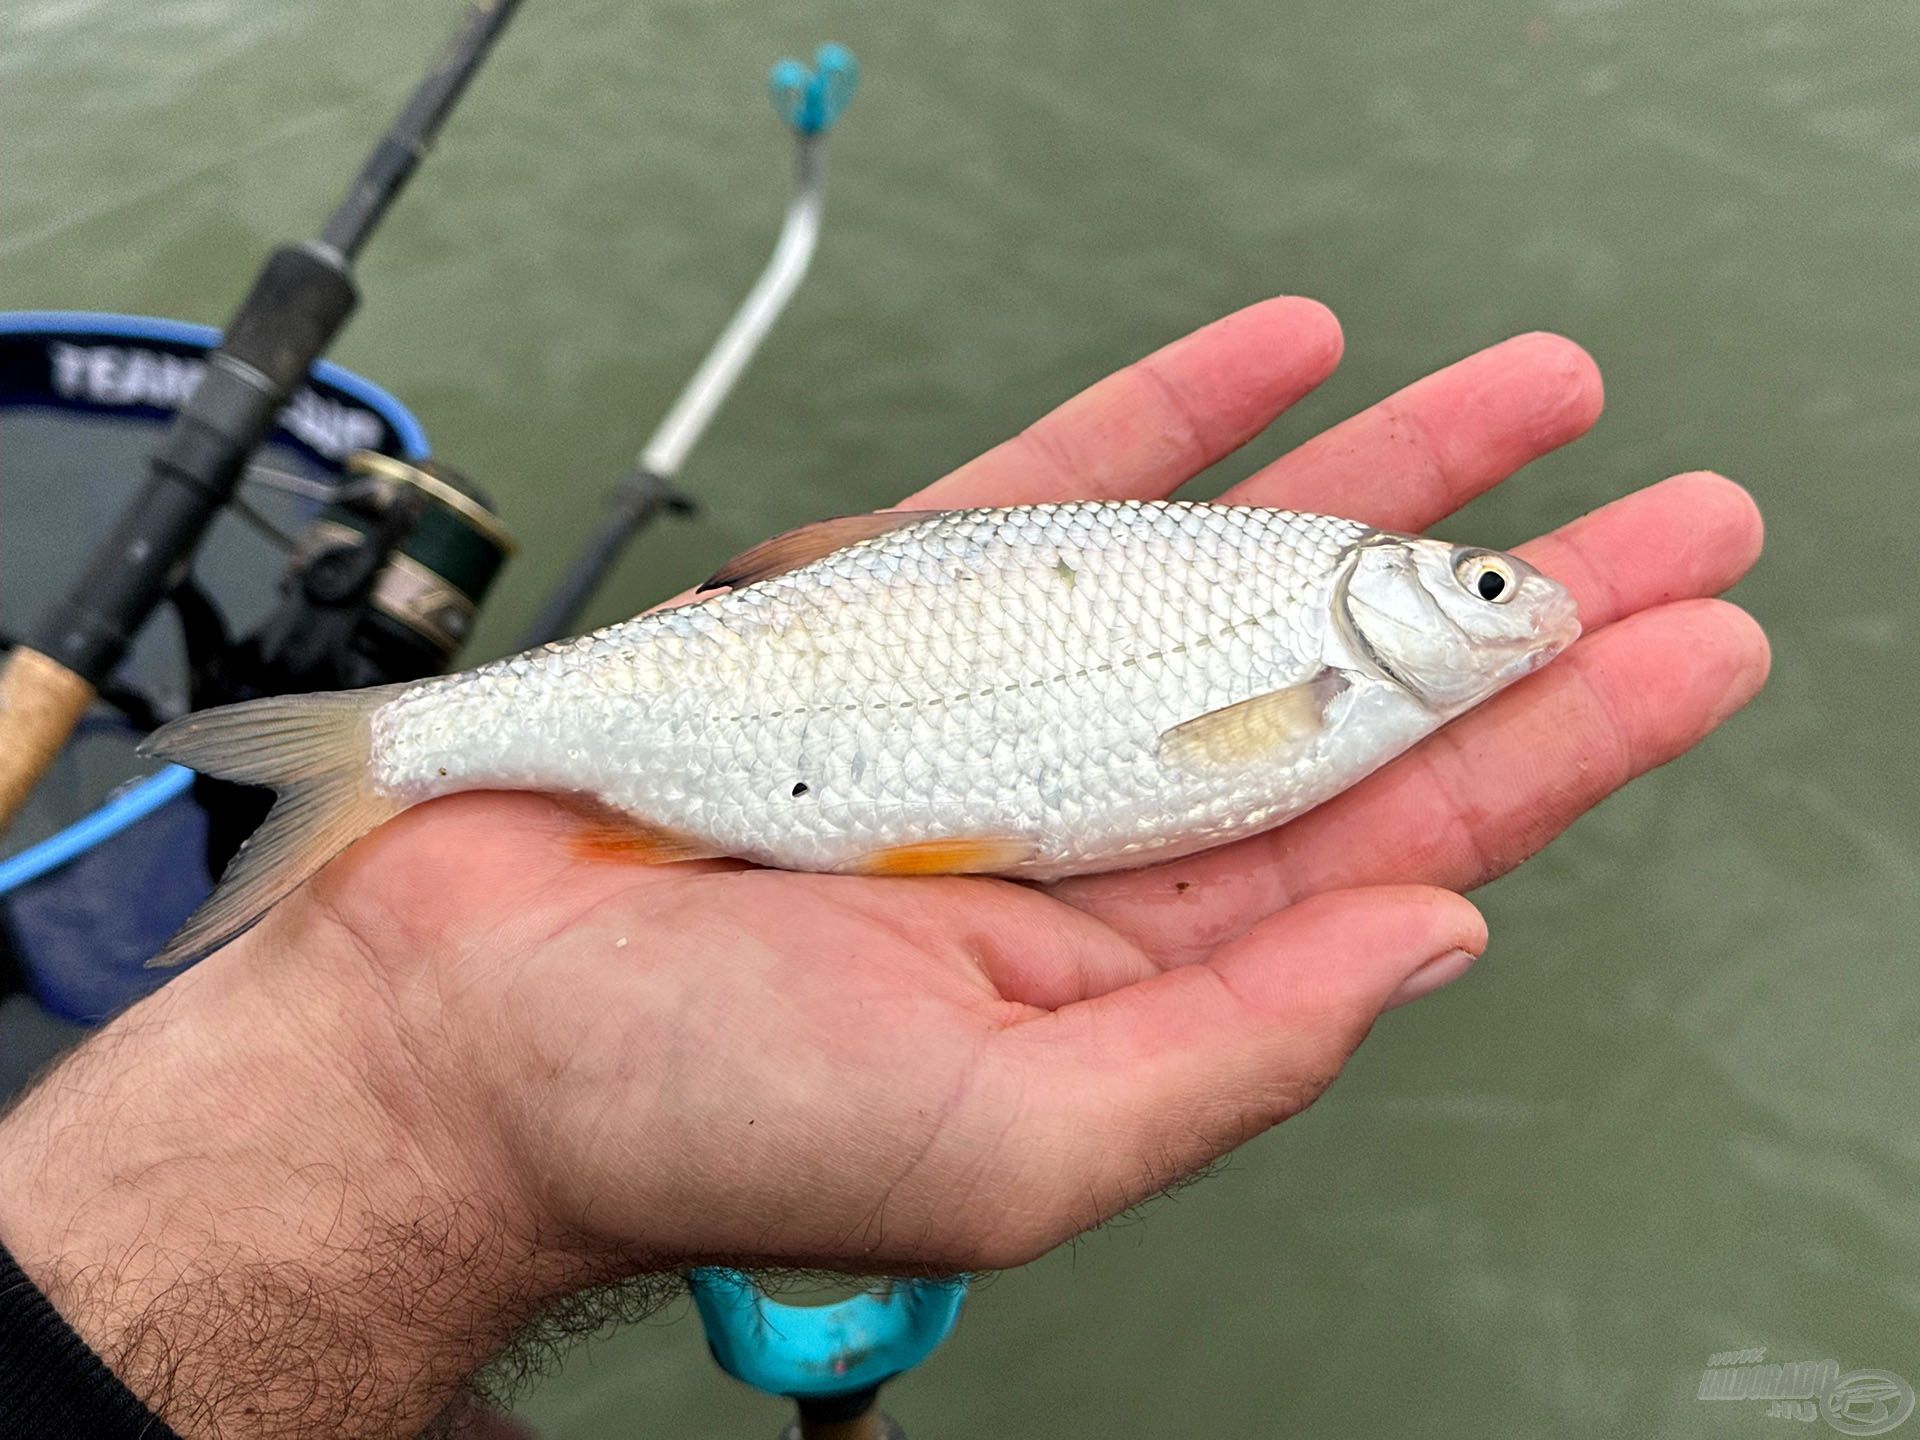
{"x":381,"y":587}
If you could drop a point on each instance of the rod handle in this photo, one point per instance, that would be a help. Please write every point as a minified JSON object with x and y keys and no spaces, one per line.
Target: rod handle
{"x":40,"y":703}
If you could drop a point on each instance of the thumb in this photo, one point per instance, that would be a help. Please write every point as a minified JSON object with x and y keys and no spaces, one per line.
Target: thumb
{"x":1335,"y":962}
{"x":1160,"y":1077}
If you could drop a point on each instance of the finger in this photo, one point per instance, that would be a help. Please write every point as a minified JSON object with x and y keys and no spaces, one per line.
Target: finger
{"x":1039,"y":970}
{"x":1690,"y":536}
{"x":1636,"y":696}
{"x":1031,"y":949}
{"x":1145,"y":430}
{"x":1693,"y":535}
{"x":1424,"y":452}
{"x":1327,"y":964}
{"x":1147,"y":1083}
{"x":1473,"y":801}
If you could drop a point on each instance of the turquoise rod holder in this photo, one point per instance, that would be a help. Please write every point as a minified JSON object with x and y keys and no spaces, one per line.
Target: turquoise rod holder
{"x":812,"y":1352}
{"x":811,"y":99}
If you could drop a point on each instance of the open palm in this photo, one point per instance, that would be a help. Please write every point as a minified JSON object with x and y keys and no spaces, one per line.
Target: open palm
{"x":713,"y":1061}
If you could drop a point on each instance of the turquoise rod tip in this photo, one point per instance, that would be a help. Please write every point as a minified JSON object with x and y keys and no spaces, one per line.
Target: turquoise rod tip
{"x":812,"y":98}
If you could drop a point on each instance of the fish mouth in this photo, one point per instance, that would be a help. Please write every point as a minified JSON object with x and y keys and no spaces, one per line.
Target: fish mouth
{"x":1559,"y":628}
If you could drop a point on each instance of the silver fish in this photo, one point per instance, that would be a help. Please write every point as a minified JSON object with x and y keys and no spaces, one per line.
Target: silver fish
{"x":1041,"y":691}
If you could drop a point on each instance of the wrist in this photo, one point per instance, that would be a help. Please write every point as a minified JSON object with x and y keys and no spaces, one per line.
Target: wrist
{"x":262,"y":1198}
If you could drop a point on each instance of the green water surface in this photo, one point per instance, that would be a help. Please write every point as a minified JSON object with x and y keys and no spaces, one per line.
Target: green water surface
{"x":1672,"y":1112}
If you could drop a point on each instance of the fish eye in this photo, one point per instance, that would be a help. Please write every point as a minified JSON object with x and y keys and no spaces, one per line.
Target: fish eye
{"x":1488,"y":576}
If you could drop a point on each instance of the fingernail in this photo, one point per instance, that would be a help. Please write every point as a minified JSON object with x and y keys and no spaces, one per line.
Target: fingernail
{"x":1442,"y":970}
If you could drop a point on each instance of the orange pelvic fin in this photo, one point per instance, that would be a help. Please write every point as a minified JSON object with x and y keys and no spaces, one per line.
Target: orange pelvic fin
{"x":610,"y":837}
{"x":979,"y":856}
{"x":809,"y":543}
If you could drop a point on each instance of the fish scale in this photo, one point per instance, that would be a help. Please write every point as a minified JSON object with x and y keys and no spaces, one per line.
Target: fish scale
{"x":1000,"y":674}
{"x":1039,"y":690}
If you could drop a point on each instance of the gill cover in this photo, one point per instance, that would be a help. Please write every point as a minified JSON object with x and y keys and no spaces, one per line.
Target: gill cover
{"x":1405,"y":611}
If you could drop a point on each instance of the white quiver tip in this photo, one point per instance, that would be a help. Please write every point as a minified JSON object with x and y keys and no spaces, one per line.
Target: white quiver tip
{"x":312,"y":750}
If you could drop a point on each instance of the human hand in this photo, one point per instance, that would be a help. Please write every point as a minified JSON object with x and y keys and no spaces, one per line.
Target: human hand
{"x":595,"y":1069}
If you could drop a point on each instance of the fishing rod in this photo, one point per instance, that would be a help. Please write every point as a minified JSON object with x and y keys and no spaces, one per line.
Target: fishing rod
{"x":299,"y":301}
{"x":810,"y":101}
{"x":830,"y":1360}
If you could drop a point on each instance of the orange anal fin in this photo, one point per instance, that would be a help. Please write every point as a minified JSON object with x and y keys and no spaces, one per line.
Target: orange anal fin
{"x":634,"y":842}
{"x":809,"y":543}
{"x":945,"y":857}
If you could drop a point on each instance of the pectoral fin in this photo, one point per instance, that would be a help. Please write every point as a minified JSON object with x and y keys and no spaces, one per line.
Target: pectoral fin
{"x":1266,"y":729}
{"x":809,"y":543}
{"x":976,"y":856}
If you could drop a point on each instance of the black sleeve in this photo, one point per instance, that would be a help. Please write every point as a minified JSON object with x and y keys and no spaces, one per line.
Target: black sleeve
{"x":52,"y":1386}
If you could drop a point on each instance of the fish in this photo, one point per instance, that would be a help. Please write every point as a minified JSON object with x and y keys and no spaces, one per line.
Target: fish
{"x":1034,"y":691}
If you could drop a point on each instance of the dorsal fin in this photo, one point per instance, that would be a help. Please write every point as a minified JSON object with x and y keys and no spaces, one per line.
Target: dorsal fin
{"x":809,"y":543}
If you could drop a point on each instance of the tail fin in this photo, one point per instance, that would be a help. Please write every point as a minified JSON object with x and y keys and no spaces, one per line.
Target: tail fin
{"x":313,"y":750}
